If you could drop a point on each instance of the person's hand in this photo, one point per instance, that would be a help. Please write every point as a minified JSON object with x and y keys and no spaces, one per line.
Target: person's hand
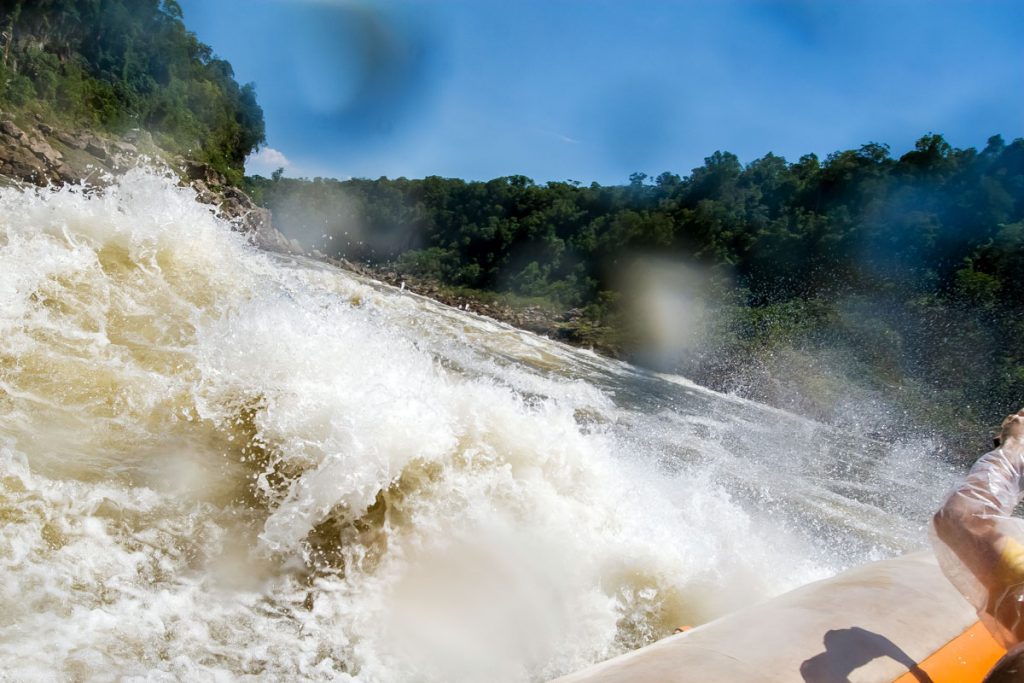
{"x":1011,"y":561}
{"x":1012,"y":431}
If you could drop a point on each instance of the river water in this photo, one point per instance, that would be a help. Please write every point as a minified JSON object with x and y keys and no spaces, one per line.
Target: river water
{"x":221,"y":464}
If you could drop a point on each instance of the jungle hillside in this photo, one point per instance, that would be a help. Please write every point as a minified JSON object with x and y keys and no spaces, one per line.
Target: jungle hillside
{"x":116,"y":65}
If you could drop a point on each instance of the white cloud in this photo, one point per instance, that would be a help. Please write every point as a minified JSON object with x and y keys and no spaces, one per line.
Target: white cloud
{"x":555,"y":134}
{"x":266,"y":161}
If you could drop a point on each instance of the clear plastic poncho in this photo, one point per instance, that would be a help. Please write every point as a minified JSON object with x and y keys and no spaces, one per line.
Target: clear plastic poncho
{"x":980,"y":547}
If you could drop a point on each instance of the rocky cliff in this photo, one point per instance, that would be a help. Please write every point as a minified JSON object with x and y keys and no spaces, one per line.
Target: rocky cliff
{"x":33,"y":151}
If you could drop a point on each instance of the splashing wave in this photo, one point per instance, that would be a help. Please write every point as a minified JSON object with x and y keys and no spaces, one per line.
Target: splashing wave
{"x":216,"y":463}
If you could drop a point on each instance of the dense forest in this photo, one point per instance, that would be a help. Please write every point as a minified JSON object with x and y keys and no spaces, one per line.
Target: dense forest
{"x":118,"y":64}
{"x":860,"y":288}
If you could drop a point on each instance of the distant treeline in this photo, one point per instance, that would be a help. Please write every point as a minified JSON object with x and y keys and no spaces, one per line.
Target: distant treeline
{"x":859,"y":275}
{"x":120,"y":64}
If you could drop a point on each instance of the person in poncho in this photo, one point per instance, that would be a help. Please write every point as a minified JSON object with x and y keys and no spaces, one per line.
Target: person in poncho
{"x":980,"y":544}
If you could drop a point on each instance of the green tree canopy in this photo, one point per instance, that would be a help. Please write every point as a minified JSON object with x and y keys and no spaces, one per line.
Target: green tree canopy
{"x":119,"y":64}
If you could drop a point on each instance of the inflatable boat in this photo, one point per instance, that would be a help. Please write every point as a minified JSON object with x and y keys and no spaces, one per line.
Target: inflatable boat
{"x":892,"y":621}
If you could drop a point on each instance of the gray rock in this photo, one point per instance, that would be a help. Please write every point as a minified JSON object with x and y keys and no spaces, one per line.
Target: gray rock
{"x":70,"y":139}
{"x":8,"y":128}
{"x":20,"y":163}
{"x":125,"y":148}
{"x":264,"y":234}
{"x":67,"y":174}
{"x":95,"y":147}
{"x":44,"y":152}
{"x":203,"y":192}
{"x":236,"y":196}
{"x":137,"y":136}
{"x":197,"y":170}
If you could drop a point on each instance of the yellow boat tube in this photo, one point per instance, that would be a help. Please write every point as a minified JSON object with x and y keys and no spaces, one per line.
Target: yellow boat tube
{"x":897,"y":620}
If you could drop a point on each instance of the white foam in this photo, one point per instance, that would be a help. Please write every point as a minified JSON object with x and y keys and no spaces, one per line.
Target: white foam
{"x":218,"y":464}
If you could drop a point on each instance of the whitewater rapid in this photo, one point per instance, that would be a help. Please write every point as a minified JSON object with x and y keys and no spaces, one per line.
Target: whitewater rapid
{"x":220,"y":464}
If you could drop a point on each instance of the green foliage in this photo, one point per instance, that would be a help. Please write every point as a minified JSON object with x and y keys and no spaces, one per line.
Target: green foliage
{"x":119,"y":64}
{"x":977,"y":289}
{"x":433,"y":263}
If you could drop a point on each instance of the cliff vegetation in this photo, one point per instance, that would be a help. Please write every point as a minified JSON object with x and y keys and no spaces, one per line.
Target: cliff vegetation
{"x":115,"y":65}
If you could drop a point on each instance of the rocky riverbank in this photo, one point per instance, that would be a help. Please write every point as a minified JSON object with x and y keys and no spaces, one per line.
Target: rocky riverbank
{"x":570,"y":326}
{"x":33,"y":151}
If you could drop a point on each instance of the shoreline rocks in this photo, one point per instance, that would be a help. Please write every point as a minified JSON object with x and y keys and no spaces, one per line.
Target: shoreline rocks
{"x":565,"y":326}
{"x":41,"y":154}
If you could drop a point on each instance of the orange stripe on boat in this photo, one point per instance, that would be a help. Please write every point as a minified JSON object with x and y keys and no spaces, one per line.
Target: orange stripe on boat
{"x":965,"y":659}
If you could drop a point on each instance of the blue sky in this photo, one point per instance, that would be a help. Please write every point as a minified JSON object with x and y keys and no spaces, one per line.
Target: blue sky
{"x":595,"y":90}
